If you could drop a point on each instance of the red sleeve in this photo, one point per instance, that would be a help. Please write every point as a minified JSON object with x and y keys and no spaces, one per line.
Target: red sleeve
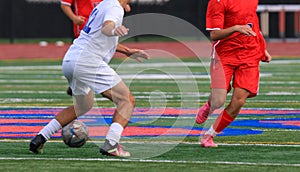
{"x":67,"y":2}
{"x":96,"y":1}
{"x":215,"y":15}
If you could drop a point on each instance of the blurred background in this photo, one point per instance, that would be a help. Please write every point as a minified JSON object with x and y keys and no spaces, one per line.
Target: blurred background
{"x":37,"y":19}
{"x":169,"y":88}
{"x":40,"y":29}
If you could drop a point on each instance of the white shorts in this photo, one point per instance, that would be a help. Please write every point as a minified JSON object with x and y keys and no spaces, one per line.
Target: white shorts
{"x":85,"y":74}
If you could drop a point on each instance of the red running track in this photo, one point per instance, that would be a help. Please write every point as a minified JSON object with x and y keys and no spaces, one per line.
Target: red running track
{"x":184,"y":49}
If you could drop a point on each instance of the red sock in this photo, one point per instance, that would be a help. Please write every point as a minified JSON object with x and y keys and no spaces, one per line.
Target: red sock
{"x":222,"y":121}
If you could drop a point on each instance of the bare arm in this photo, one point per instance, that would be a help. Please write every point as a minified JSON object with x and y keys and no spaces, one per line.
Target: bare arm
{"x":224,"y":33}
{"x":78,"y":20}
{"x":244,"y":29}
{"x":109,"y":29}
{"x":267,"y":58}
{"x":136,"y":54}
{"x":123,"y":49}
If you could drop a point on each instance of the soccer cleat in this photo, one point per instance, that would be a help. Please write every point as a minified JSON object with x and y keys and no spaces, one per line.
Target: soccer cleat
{"x":203,"y":113}
{"x":116,"y":150}
{"x":207,"y":141}
{"x":37,"y":144}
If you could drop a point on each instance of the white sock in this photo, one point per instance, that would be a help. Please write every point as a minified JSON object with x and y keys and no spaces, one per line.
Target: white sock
{"x":52,"y":127}
{"x":211,"y":132}
{"x":114,"y":133}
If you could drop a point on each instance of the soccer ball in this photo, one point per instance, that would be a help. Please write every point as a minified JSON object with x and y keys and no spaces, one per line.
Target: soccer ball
{"x":75,"y":134}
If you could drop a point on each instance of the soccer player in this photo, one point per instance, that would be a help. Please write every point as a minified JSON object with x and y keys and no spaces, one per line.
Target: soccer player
{"x":78,"y":11}
{"x":238,"y":48}
{"x":86,"y":68}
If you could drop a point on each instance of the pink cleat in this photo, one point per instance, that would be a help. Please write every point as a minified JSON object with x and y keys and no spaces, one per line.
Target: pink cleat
{"x":207,"y":141}
{"x":203,"y":113}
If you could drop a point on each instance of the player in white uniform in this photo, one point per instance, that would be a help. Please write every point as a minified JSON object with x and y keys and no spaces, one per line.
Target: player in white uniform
{"x":85,"y":65}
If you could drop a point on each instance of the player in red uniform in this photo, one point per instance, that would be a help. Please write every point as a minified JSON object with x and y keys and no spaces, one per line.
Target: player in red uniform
{"x":78,"y":11}
{"x":238,"y":49}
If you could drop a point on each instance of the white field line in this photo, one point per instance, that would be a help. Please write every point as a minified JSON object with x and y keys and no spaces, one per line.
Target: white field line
{"x":280,"y":82}
{"x":155,"y":94}
{"x":162,"y":65}
{"x":154,"y":161}
{"x":192,"y":118}
{"x":51,"y":73}
{"x":208,"y":82}
{"x":123,"y":65}
{"x":136,"y":65}
{"x":143,"y":79}
{"x":282,"y":73}
{"x":30,"y":73}
{"x":142,"y":65}
{"x":274,"y":101}
{"x":32,"y":81}
{"x":21,"y":100}
{"x":32,"y":92}
{"x":29,"y":100}
{"x":163,"y":76}
{"x":30,"y":107}
{"x":174,"y":76}
{"x":283,"y":62}
{"x":22,"y":68}
{"x":157,"y":81}
{"x":51,"y":107}
{"x":285,"y":93}
{"x":159,"y":78}
{"x":171,"y":143}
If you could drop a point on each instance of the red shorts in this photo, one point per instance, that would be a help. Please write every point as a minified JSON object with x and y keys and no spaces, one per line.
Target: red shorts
{"x":243,"y":74}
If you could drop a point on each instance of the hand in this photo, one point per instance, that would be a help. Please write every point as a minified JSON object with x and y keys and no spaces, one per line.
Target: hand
{"x":245,"y":29}
{"x":127,"y":8}
{"x":138,"y":55}
{"x":79,"y":20}
{"x":120,"y":31}
{"x":267,"y":58}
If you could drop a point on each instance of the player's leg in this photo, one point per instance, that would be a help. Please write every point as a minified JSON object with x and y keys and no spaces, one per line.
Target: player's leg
{"x":215,"y":101}
{"x":220,"y":79}
{"x":245,"y":82}
{"x":125,"y":103}
{"x":83,"y":104}
{"x":238,"y":99}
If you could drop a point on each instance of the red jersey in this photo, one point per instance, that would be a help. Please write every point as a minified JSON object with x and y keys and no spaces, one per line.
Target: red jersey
{"x":80,"y":8}
{"x":222,"y":14}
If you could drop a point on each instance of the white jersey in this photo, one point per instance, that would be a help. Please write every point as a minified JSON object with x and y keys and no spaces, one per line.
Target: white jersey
{"x":92,"y":42}
{"x":85,"y":65}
